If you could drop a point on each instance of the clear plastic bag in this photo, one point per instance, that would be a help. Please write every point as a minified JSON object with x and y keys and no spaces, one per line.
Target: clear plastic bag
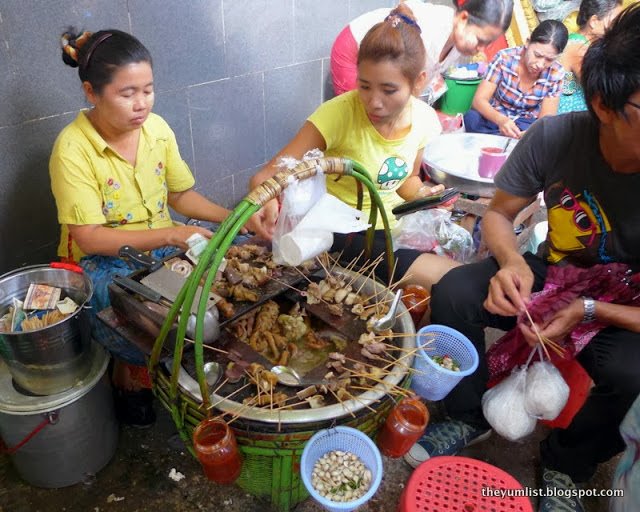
{"x":546,"y":392}
{"x":503,"y":407}
{"x":297,"y":199}
{"x":433,"y":231}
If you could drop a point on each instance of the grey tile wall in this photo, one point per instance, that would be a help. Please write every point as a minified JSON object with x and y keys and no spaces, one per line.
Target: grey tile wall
{"x":234,"y":79}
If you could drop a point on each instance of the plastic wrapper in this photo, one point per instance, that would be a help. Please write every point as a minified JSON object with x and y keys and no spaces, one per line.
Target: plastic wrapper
{"x":546,"y":393}
{"x":297,"y":199}
{"x":433,"y":231}
{"x":503,"y":407}
{"x":309,"y":217}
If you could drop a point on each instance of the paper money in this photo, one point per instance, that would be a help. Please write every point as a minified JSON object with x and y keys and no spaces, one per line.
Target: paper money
{"x":42,"y":296}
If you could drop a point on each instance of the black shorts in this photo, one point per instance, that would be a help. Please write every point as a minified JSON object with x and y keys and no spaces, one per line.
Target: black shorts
{"x":352,"y":244}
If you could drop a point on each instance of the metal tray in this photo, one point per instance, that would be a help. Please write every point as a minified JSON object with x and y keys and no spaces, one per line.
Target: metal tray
{"x":452,"y":159}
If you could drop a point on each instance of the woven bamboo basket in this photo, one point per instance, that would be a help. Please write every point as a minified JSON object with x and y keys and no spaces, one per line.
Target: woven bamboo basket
{"x":271,"y":449}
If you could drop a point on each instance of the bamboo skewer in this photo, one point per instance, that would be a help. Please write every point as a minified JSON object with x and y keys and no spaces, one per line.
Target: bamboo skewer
{"x":229,"y":395}
{"x":342,"y":403}
{"x":535,"y":328}
{"x":209,"y":347}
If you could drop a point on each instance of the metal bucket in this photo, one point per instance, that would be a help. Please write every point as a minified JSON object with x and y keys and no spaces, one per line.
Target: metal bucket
{"x":52,"y":359}
{"x":78,"y":430}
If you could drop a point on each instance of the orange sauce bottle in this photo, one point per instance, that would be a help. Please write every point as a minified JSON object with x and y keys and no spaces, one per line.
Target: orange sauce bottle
{"x":217,"y":450}
{"x":415,"y":298}
{"x":404,"y":426}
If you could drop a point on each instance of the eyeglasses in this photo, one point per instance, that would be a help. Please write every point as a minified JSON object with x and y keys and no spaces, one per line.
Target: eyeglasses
{"x":633,"y":104}
{"x":580,"y":217}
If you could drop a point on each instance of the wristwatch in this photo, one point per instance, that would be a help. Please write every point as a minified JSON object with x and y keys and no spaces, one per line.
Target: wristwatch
{"x":589,"y":309}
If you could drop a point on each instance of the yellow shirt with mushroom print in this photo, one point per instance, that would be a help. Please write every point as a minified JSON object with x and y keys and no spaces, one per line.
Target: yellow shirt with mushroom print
{"x":348,"y":133}
{"x":93,"y":184}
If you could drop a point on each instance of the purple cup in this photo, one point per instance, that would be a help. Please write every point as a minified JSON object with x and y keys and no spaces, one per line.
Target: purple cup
{"x":490,"y":162}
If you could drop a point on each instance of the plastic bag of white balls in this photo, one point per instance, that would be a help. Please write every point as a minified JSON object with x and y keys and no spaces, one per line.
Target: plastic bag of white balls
{"x":546,"y":393}
{"x":503,"y":407}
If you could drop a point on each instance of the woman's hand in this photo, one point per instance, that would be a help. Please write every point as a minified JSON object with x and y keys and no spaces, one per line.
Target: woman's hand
{"x":427,"y":190}
{"x":509,"y":128}
{"x":558,"y":327}
{"x":263,"y":222}
{"x":509,"y":289}
{"x":178,"y":235}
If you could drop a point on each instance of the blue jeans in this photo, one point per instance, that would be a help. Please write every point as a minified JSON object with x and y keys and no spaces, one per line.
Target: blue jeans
{"x":474,"y":122}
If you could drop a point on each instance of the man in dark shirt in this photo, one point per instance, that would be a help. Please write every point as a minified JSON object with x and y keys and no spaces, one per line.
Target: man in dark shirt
{"x":588,"y":167}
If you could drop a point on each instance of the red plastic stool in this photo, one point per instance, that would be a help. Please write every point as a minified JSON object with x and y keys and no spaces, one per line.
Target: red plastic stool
{"x":454,"y":484}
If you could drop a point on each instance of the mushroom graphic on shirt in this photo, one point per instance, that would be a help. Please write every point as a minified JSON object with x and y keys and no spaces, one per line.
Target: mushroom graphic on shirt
{"x":392,"y":172}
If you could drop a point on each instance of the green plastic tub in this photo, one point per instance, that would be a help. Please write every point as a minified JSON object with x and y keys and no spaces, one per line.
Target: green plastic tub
{"x":459,"y":95}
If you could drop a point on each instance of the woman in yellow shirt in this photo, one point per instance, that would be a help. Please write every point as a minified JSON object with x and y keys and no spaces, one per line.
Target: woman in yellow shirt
{"x":382,"y":126}
{"x":115,"y":170}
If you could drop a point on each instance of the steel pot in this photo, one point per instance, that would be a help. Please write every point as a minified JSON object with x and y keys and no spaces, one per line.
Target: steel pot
{"x":52,"y":359}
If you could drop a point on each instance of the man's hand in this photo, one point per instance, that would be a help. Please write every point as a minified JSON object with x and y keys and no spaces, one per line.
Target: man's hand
{"x":510,"y":289}
{"x":558,"y":327}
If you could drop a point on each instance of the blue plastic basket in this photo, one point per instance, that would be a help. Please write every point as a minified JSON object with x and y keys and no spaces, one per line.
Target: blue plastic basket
{"x":344,"y":439}
{"x":431,"y":381}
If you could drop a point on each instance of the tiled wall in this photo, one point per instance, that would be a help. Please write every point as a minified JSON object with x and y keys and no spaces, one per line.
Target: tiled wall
{"x":234,"y":78}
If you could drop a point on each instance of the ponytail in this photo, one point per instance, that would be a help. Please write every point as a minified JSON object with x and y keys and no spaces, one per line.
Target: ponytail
{"x":396,"y":39}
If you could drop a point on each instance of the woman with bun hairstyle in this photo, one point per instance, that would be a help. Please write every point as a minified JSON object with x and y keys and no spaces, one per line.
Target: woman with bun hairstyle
{"x":115,"y":171}
{"x":384,"y":127}
{"x":450,"y":36}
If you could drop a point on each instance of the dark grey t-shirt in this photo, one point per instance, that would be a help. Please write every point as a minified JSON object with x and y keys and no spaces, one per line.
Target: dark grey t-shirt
{"x":594,"y":212}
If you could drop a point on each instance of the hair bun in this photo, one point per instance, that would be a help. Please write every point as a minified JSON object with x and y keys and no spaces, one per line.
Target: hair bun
{"x":71,"y":44}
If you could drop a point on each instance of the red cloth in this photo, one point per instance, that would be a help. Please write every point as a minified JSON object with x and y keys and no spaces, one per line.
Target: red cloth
{"x":606,"y":283}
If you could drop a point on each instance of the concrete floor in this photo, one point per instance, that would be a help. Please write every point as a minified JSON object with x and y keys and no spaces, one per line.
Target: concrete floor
{"x":137,"y":479}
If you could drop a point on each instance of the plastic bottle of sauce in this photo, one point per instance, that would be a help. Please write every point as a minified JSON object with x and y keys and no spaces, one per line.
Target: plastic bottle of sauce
{"x":415,"y":298}
{"x":217,"y":450}
{"x":404,"y":426}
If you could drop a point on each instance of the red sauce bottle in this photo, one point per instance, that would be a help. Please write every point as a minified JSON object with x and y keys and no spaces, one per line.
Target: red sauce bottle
{"x":415,"y":298}
{"x":404,"y":426}
{"x":217,"y":450}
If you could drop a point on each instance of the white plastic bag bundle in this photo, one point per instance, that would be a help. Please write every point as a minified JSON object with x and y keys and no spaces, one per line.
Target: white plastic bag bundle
{"x":309,"y":217}
{"x":314,"y":233}
{"x":433,"y":231}
{"x":503,"y":407}
{"x":546,"y":392}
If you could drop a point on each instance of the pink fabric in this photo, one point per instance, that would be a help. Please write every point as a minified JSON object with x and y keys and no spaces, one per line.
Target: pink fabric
{"x":344,"y":62}
{"x":606,"y":283}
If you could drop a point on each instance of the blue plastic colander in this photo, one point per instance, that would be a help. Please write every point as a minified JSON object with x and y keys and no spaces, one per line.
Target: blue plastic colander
{"x":431,"y":381}
{"x":344,"y":439}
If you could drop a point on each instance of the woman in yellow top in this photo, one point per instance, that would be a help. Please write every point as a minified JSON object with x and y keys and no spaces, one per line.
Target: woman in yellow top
{"x":382,"y":126}
{"x":115,"y":170}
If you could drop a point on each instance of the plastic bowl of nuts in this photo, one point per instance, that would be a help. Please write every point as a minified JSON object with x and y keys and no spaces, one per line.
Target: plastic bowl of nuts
{"x":341,"y":468}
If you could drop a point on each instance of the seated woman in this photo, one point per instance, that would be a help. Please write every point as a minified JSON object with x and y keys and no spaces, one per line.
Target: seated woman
{"x":115,"y":171}
{"x":381,"y":123}
{"x":593,"y":19}
{"x":450,"y":36}
{"x":522,"y":84}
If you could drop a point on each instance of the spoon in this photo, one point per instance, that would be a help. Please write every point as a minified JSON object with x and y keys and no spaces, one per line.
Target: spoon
{"x":389,"y":320}
{"x":287,"y":376}
{"x":211,"y":324}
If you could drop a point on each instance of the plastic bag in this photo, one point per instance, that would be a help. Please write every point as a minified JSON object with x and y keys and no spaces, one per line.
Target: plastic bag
{"x":297,"y":199}
{"x":433,"y":231}
{"x":314,"y":233}
{"x":503,"y":407}
{"x":546,"y":392}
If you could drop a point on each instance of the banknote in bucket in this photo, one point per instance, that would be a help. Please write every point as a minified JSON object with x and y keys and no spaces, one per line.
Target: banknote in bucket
{"x":42,"y":296}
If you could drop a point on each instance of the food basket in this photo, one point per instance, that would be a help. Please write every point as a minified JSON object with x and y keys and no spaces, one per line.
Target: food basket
{"x":431,"y":381}
{"x":344,"y":439}
{"x":271,"y":442}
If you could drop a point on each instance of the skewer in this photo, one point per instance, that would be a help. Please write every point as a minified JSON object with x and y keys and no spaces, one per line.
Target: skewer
{"x":414,"y":306}
{"x":535,"y":328}
{"x":302,"y":274}
{"x":319,"y":260}
{"x":229,"y":395}
{"x":336,"y":260}
{"x":342,"y":403}
{"x":209,"y":347}
{"x":353,"y":397}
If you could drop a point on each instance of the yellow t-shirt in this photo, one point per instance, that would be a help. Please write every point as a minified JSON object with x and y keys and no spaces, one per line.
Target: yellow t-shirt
{"x":92,"y":184}
{"x":348,"y":133}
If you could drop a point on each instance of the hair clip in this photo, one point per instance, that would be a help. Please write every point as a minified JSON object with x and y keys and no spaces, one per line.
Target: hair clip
{"x":97,"y":43}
